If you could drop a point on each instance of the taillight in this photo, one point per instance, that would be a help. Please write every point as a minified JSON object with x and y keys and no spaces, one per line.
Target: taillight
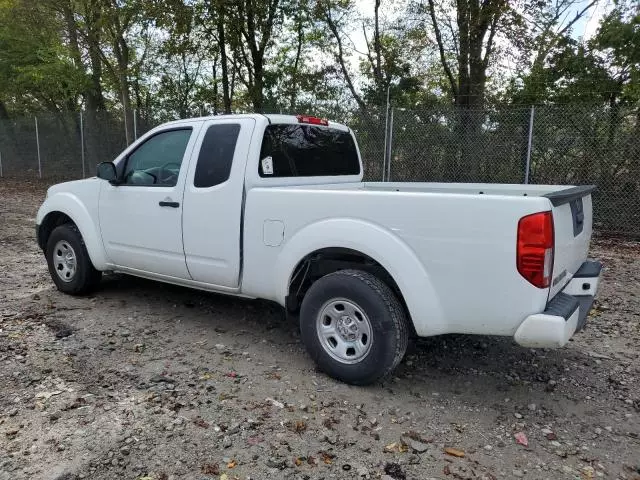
{"x":535,"y":248}
{"x":312,"y":120}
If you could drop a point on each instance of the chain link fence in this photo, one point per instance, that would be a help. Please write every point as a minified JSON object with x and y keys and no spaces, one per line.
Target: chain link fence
{"x":557,"y":145}
{"x":567,"y":144}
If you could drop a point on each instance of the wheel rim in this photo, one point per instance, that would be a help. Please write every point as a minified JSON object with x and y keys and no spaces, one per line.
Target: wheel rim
{"x":344,"y":330}
{"x":64,"y":261}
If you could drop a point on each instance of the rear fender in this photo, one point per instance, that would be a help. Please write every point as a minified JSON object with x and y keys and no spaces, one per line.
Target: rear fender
{"x":72,"y":206}
{"x":382,"y":246}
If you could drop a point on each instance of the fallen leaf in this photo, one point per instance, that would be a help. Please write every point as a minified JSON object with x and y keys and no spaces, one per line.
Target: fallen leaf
{"x":392,"y":447}
{"x":299,"y":426}
{"x":232,"y":375}
{"x":232,"y":464}
{"x":210,"y":469}
{"x":454,"y":452}
{"x":200,"y":422}
{"x":298,"y":461}
{"x":327,"y":457}
{"x":330,"y":422}
{"x":521,"y":438}
{"x":224,"y":476}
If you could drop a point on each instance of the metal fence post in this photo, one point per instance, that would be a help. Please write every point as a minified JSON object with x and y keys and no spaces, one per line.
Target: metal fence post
{"x":386,"y":132}
{"x":135,"y":124}
{"x":390,"y":146}
{"x":530,"y":141}
{"x":84,"y":174}
{"x":38,"y":147}
{"x":124,"y":116}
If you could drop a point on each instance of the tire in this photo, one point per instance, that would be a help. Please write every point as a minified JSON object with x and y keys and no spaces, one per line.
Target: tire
{"x":340,"y":310}
{"x":69,"y":264}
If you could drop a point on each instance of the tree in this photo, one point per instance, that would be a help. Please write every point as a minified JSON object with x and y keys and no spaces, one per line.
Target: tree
{"x":466,"y":53}
{"x":36,"y":71}
{"x":544,"y":30}
{"x":255,"y":22}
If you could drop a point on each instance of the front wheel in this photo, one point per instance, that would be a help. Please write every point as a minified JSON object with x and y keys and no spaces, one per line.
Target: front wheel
{"x":353,"y":326}
{"x":69,"y":263}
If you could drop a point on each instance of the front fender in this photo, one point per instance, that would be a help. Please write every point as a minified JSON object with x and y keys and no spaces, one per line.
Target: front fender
{"x":380,"y":244}
{"x":74,"y":208}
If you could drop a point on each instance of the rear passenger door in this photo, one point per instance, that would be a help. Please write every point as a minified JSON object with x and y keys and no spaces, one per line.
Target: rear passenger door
{"x":213,"y":198}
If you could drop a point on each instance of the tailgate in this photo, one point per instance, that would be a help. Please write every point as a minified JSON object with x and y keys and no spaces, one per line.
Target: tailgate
{"x":572,"y":224}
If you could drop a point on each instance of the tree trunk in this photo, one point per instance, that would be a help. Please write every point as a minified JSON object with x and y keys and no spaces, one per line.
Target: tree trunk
{"x":294,"y":75}
{"x":214,"y":71}
{"x":226,"y":96}
{"x":126,"y":106}
{"x":257,"y":96}
{"x":95,"y":96}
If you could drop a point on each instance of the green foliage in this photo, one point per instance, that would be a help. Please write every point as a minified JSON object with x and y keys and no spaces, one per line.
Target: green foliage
{"x":36,"y":71}
{"x":171,"y":58}
{"x":605,"y":69}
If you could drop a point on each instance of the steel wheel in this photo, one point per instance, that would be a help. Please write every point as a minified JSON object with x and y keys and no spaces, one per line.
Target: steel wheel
{"x":344,"y":331}
{"x":64,"y":261}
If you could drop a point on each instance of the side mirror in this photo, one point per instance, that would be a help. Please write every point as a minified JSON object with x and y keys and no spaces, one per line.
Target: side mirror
{"x":107,"y":171}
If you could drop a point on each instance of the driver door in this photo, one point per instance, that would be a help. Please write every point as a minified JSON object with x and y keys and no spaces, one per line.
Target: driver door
{"x":141,"y":218}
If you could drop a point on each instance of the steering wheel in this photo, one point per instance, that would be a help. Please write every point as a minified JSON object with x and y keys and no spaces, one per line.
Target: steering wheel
{"x":164,"y":168}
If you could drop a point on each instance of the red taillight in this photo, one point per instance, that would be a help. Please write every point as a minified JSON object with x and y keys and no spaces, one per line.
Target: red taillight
{"x":312,"y":120}
{"x":535,"y":248}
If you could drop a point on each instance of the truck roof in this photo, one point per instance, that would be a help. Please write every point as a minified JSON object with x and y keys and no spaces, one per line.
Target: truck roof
{"x":273,"y":118}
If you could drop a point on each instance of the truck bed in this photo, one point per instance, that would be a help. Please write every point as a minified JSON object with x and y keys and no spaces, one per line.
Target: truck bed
{"x":463,"y":235}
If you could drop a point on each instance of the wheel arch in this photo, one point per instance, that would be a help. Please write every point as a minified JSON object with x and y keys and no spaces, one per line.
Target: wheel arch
{"x":67,"y":208}
{"x":335,"y":244}
{"x":49,"y":222}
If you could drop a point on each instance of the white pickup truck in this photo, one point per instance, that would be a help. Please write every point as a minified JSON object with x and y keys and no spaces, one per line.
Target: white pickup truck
{"x":274,"y":207}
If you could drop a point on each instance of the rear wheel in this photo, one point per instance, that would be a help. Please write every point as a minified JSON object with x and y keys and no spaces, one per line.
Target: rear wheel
{"x":353,"y":326}
{"x":69,"y":263}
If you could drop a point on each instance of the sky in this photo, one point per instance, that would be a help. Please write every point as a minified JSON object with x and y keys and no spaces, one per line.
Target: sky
{"x":585,"y":28}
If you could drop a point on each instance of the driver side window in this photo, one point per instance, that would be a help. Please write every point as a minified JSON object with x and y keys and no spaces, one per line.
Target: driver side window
{"x":157,"y":161}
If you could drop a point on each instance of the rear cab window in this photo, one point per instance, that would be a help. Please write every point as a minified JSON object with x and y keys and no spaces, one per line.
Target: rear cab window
{"x":300,"y":150}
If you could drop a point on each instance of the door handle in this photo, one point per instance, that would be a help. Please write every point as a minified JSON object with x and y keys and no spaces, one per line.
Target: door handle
{"x":165,"y":203}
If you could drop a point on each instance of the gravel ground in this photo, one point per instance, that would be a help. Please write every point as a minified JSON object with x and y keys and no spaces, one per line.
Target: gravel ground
{"x":154,"y":382}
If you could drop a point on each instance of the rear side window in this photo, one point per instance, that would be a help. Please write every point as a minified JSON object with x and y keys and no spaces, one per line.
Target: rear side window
{"x":216,"y":155}
{"x":307,"y":151}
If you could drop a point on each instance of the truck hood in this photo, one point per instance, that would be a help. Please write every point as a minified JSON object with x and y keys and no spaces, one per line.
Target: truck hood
{"x":74,"y":186}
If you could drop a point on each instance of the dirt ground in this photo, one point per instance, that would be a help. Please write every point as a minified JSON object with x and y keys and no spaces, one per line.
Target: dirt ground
{"x":147,"y":381}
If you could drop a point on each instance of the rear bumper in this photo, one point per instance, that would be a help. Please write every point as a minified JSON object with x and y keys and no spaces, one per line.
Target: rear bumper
{"x":565,"y":314}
